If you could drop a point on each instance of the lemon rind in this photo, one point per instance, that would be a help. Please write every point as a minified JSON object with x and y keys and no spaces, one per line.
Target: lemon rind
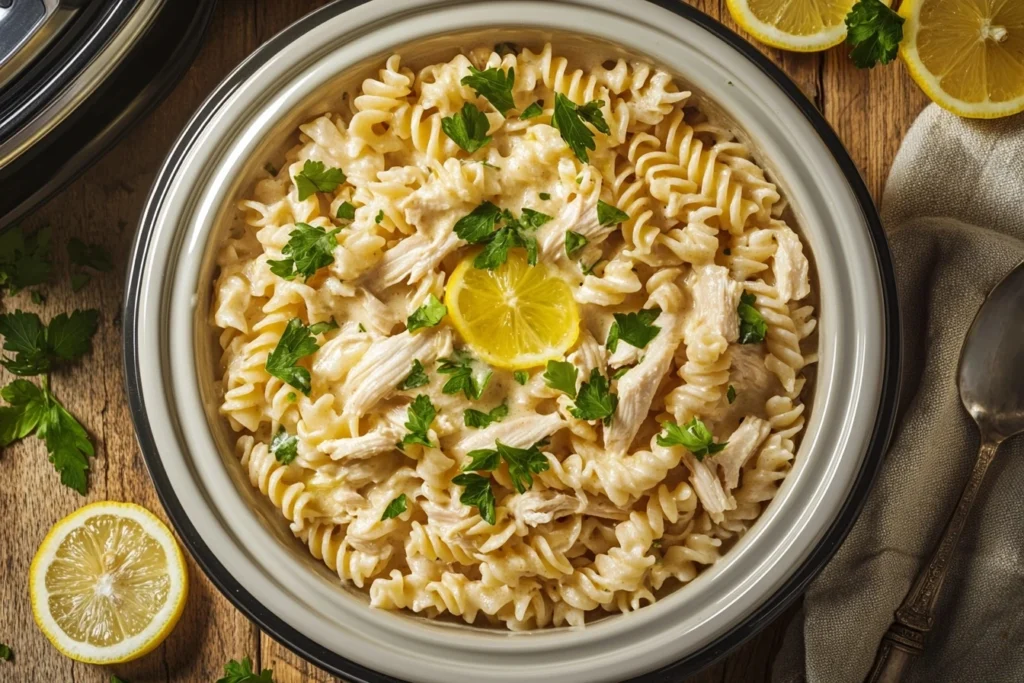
{"x":770,"y":35}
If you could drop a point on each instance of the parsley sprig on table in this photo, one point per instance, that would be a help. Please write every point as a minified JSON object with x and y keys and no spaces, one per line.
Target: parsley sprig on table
{"x":309,"y":249}
{"x":875,"y":32}
{"x":241,"y":672}
{"x":493,"y":84}
{"x":6,"y":653}
{"x":467,"y":128}
{"x":297,"y":341}
{"x":570,"y":120}
{"x":636,"y":329}
{"x":39,"y":348}
{"x":694,"y":436}
{"x":316,"y":177}
{"x":86,"y":256}
{"x":24,"y":259}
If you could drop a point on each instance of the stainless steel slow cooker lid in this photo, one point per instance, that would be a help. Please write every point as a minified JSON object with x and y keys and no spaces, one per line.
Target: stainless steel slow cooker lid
{"x":268,"y":577}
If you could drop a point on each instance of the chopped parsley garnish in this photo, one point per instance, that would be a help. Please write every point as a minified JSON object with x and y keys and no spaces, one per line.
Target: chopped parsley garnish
{"x":482,"y":460}
{"x":544,"y":196}
{"x":82,"y":255}
{"x":309,"y":249}
{"x":480,"y":419}
{"x":753,"y":327}
{"x":24,"y":259}
{"x":477,"y":227}
{"x":730,"y":394}
{"x":570,"y":120}
{"x":521,"y":376}
{"x":292,"y":397}
{"x":284,"y":446}
{"x":636,"y":329}
{"x":522,"y":463}
{"x":346,"y":211}
{"x":589,"y":270}
{"x":621,"y":371}
{"x":315,"y":177}
{"x":467,"y":128}
{"x":493,"y":84}
{"x":875,"y":31}
{"x":34,"y":408}
{"x":427,"y":315}
{"x":610,"y":215}
{"x":574,"y":242}
{"x":296,"y":342}
{"x":394,"y":508}
{"x":694,"y":436}
{"x":470,"y":380}
{"x":417,"y":377}
{"x":241,"y":672}
{"x":477,"y":493}
{"x":594,"y":401}
{"x":421,"y":414}
{"x":39,"y":348}
{"x":533,"y":111}
{"x":379,"y":218}
{"x":561,"y":376}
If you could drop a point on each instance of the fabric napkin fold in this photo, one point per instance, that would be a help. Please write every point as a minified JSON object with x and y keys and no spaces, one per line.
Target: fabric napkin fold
{"x":953,"y":209}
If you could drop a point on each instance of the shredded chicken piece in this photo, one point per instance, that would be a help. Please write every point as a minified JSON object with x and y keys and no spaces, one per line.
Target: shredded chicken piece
{"x":588,"y":355}
{"x":380,"y":440}
{"x":411,"y":260}
{"x":716,"y":297}
{"x":540,"y":507}
{"x":708,"y":488}
{"x":742,"y":444}
{"x":384,"y":366}
{"x":792,"y":271}
{"x":521,"y":432}
{"x":580,"y":216}
{"x":638,"y":386}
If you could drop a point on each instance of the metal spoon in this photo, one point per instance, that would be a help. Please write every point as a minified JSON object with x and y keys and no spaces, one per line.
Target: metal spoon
{"x":991,"y":379}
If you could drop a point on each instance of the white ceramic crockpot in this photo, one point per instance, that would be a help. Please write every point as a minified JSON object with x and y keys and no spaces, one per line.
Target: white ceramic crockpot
{"x":245,"y":547}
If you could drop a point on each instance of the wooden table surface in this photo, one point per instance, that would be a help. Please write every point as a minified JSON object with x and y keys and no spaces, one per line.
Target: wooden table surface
{"x":871,"y":110}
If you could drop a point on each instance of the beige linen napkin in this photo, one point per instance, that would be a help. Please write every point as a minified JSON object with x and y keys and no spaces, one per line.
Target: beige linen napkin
{"x":954,"y":212}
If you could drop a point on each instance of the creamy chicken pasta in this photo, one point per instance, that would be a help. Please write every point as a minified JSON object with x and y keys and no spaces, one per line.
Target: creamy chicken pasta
{"x":515,"y":339}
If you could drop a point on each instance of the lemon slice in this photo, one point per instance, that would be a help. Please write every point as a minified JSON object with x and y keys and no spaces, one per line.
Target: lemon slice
{"x":515,"y":316}
{"x":108,"y":583}
{"x":967,"y":55}
{"x":800,"y":25}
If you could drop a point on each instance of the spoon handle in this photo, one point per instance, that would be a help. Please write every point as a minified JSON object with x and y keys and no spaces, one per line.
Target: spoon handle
{"x":906,"y":636}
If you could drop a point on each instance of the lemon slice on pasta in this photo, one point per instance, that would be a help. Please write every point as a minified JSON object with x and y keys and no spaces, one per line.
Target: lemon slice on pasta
{"x":108,"y":583}
{"x":516,"y":316}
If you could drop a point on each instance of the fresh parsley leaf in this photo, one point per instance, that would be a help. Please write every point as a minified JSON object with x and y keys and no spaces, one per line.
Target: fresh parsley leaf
{"x":309,"y":249}
{"x":241,"y":672}
{"x":636,"y":329}
{"x":533,"y":111}
{"x":284,"y":446}
{"x":621,"y":371}
{"x":487,"y":164}
{"x":531,"y":220}
{"x":394,"y":508}
{"x":37,"y":298}
{"x":574,"y":242}
{"x":521,"y":376}
{"x":753,"y":327}
{"x":418,"y":420}
{"x":522,"y":462}
{"x":467,"y":128}
{"x":379,"y":218}
{"x":544,"y":195}
{"x":477,"y":493}
{"x":610,"y":215}
{"x":321,"y":327}
{"x":480,"y":419}
{"x":292,"y":397}
{"x":427,"y":315}
{"x":589,"y":270}
{"x":89,"y":255}
{"x":493,"y":84}
{"x":694,"y":436}
{"x":417,"y":377}
{"x":478,"y":225}
{"x":34,"y":408}
{"x":315,"y":177}
{"x":730,"y":394}
{"x":482,"y":460}
{"x":6,"y":653}
{"x":24,"y":259}
{"x":346,"y":211}
{"x":568,"y":119}
{"x":496,"y":251}
{"x":362,"y":328}
{"x":296,"y":342}
{"x":594,"y":401}
{"x":561,"y":376}
{"x":875,"y":31}
{"x":466,"y":378}
{"x":518,"y":232}
{"x":39,"y":348}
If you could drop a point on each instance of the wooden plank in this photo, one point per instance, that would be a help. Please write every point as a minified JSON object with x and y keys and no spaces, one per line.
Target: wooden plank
{"x":871,"y":111}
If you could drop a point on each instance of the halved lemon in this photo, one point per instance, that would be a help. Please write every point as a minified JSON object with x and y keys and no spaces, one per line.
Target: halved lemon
{"x":515,"y":316}
{"x":108,"y":583}
{"x":967,"y":55}
{"x":799,"y":25}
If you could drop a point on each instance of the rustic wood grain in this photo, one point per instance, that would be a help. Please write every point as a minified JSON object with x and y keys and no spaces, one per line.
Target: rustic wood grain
{"x":871,"y":111}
